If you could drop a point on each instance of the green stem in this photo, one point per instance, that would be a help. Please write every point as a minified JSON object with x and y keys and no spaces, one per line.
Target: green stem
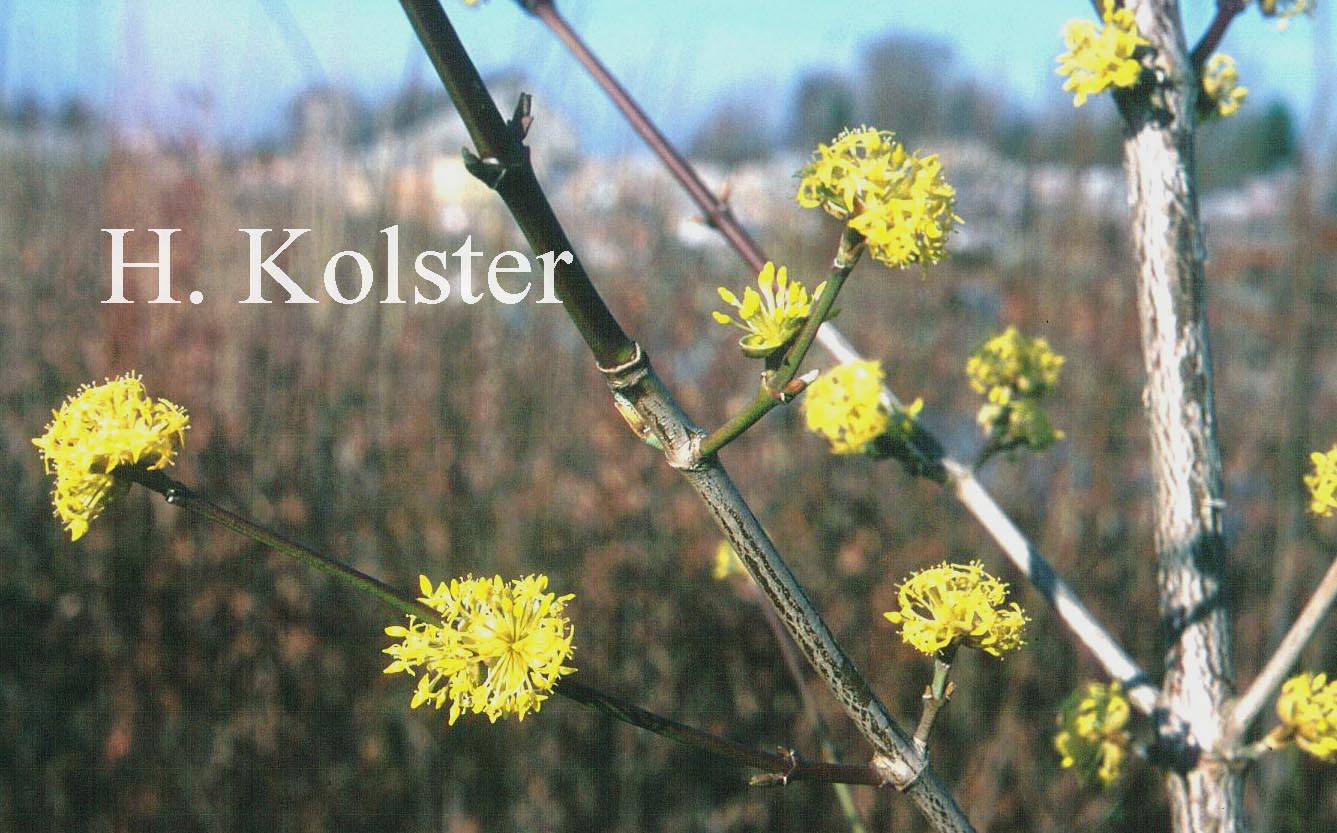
{"x":776,"y":388}
{"x":847,"y":256}
{"x":936,"y":697}
{"x":1273,"y":741}
{"x":996,"y":445}
{"x":178,"y":494}
{"x":762,"y":404}
{"x":779,"y":767}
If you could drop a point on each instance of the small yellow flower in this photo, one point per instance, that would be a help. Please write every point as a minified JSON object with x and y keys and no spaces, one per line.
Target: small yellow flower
{"x":1308,"y":711}
{"x":772,"y":317}
{"x":99,"y":428}
{"x":1221,"y":83}
{"x":1284,"y":10}
{"x":726,"y":562}
{"x":1092,"y":735}
{"x":898,"y":201}
{"x":1014,"y":372}
{"x":498,"y":648}
{"x":951,"y":605}
{"x":1100,"y":56}
{"x":1323,"y":482}
{"x":845,"y":406}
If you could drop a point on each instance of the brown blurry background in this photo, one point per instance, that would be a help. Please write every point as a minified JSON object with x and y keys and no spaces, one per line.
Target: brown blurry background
{"x":164,"y":675}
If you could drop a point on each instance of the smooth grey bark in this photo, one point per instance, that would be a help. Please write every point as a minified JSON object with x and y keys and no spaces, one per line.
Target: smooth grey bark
{"x":1204,"y":793}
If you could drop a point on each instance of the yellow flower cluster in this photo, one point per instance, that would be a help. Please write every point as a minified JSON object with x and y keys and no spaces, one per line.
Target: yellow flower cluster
{"x":1221,"y":83}
{"x":1092,"y":735}
{"x":1100,"y":56}
{"x":771,"y":317}
{"x":498,"y":648}
{"x":1015,"y":372}
{"x":99,"y":428}
{"x":845,"y":406}
{"x":898,"y":201}
{"x":951,"y":605}
{"x":1308,"y":711}
{"x":1323,"y":482}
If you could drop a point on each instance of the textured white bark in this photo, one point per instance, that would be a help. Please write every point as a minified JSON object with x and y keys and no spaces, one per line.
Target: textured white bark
{"x":1204,"y":794}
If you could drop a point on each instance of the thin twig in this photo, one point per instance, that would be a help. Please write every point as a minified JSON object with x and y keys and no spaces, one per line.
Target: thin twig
{"x":179,"y":494}
{"x":502,"y":161}
{"x":776,"y":386}
{"x":1269,"y":680}
{"x":1226,"y":10}
{"x":780,"y":767}
{"x":1088,"y":631}
{"x":935,"y":697}
{"x":717,"y":211}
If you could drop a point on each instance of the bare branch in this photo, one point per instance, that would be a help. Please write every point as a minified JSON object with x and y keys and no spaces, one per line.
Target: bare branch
{"x":632,"y":378}
{"x":717,"y":211}
{"x":1226,"y":10}
{"x":902,"y":765}
{"x":1042,"y":576}
{"x":1269,"y":680}
{"x":781,"y":767}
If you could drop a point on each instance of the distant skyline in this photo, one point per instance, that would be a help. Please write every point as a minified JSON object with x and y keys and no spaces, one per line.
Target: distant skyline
{"x":152,"y":61}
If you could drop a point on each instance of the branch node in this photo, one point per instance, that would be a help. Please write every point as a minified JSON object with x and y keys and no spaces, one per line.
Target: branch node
{"x":488,"y":170}
{"x":777,"y":779}
{"x":900,"y":772}
{"x":521,"y":119}
{"x":627,"y":374}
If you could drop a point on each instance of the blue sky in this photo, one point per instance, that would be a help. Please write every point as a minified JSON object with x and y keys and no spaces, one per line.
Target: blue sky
{"x":144,"y":58}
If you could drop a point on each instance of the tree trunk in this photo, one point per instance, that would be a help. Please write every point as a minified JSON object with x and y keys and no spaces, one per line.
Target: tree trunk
{"x":1204,"y":795}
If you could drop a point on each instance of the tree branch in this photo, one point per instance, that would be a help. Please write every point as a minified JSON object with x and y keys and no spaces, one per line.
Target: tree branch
{"x":1083,"y":624}
{"x":1226,"y":10}
{"x":716,"y":210}
{"x":794,"y":665}
{"x":1088,"y":631}
{"x":503,"y":163}
{"x":1269,"y":680}
{"x":179,"y":494}
{"x":637,"y":383}
{"x":781,"y":767}
{"x":1204,"y":795}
